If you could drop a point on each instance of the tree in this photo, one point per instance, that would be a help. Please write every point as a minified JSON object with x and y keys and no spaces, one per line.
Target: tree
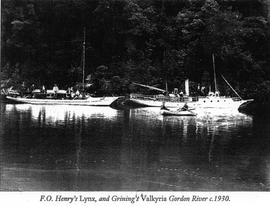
{"x":150,"y":42}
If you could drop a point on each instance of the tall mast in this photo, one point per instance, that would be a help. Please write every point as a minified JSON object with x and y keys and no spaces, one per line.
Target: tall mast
{"x":214,"y":68}
{"x":83,"y":59}
{"x":1,"y":41}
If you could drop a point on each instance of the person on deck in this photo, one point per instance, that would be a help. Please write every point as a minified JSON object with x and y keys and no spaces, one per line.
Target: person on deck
{"x":23,"y":89}
{"x":72,"y":93}
{"x":181,"y":94}
{"x":68,"y":95}
{"x":43,"y":89}
{"x":77,"y":94}
{"x":32,"y":88}
{"x":163,"y":106}
{"x":184,"y":108}
{"x":55,"y":89}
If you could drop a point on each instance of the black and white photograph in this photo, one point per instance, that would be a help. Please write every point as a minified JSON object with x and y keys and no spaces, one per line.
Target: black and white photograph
{"x":135,"y":95}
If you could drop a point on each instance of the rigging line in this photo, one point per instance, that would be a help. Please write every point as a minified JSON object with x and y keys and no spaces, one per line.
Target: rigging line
{"x":150,"y":87}
{"x":231,"y":86}
{"x":83,"y":65}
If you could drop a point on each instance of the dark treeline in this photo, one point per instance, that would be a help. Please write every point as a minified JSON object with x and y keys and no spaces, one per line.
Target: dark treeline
{"x":145,"y":41}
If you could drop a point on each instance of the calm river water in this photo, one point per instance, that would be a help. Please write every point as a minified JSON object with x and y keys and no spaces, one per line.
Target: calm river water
{"x":74,"y":148}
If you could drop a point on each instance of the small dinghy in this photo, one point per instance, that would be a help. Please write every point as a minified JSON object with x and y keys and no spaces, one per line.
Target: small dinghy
{"x":177,"y":113}
{"x":184,"y":111}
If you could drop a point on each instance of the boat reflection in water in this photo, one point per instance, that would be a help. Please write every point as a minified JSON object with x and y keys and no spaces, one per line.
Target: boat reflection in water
{"x":59,"y":114}
{"x":216,"y":150}
{"x":80,"y":148}
{"x":209,"y":119}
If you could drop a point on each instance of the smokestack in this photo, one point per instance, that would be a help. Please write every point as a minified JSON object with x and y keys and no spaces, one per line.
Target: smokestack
{"x":187,"y":87}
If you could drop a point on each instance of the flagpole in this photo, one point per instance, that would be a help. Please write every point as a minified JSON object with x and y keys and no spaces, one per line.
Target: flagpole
{"x":214,"y":68}
{"x":83,"y":63}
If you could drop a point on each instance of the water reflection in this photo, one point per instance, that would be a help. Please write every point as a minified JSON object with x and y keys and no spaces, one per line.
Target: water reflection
{"x":205,"y":123}
{"x":53,"y":114}
{"x":216,"y":145}
{"x":85,"y":148}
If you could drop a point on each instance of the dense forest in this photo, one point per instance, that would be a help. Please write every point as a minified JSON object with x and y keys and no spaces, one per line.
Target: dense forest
{"x":144,"y":41}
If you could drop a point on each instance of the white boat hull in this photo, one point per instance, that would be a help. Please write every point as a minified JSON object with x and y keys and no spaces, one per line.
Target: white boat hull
{"x":91,"y":101}
{"x":205,"y":102}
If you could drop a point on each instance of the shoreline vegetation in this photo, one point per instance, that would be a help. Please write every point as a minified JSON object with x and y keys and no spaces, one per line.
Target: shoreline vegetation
{"x":154,"y":43}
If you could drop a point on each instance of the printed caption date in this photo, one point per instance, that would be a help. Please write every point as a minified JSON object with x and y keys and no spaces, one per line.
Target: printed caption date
{"x":135,"y":198}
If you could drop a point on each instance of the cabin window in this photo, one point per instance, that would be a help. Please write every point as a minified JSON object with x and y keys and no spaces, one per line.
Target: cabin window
{"x":204,"y":101}
{"x":211,"y":101}
{"x":217,"y":100}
